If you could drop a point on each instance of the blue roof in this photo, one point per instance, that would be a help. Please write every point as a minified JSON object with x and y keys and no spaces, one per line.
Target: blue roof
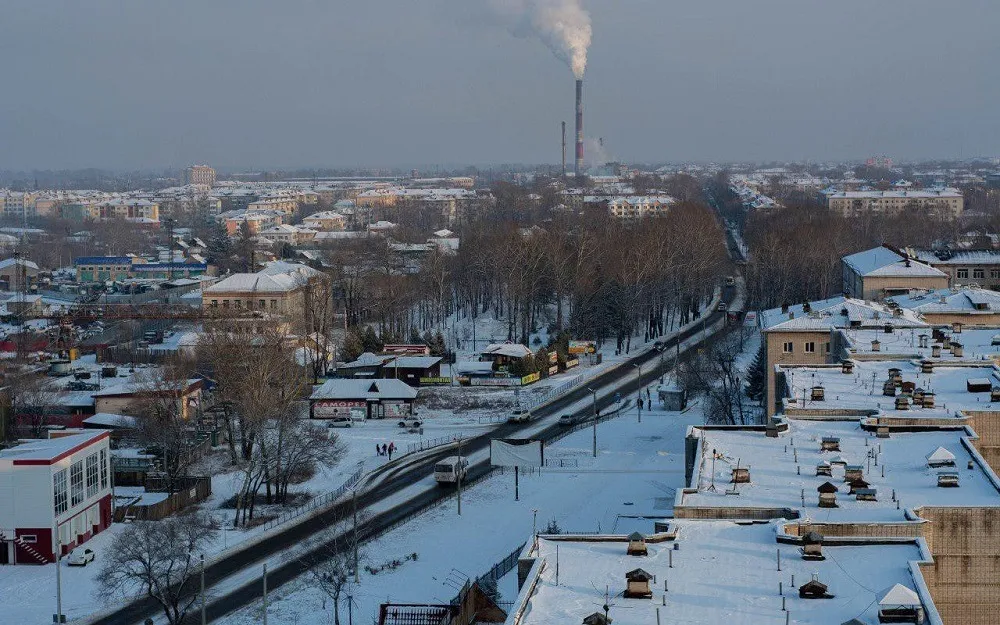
{"x":102,"y":260}
{"x":160,"y":266}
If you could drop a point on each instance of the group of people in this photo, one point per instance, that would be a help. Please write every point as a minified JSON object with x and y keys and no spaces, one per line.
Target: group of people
{"x":385,"y":449}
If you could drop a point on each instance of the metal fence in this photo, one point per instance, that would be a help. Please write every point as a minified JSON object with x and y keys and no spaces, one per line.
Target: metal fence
{"x":495,"y":574}
{"x":562,"y":463}
{"x":430,"y":442}
{"x":317,"y":502}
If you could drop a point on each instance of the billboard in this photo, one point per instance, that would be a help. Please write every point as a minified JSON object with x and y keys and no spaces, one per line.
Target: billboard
{"x":516,"y":452}
{"x":582,"y":347}
{"x":329,"y":409}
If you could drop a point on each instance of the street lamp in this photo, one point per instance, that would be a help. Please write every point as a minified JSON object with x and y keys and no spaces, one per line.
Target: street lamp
{"x":594,"y":393}
{"x":638,"y":391}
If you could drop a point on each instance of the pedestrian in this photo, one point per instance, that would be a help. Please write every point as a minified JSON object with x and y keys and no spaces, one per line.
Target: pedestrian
{"x":392,"y":448}
{"x":378,"y":449}
{"x":384,"y":448}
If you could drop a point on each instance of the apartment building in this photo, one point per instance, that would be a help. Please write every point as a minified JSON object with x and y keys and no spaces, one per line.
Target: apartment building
{"x":945,"y":201}
{"x":199,"y":174}
{"x":287,"y":233}
{"x":325,"y":221}
{"x":807,"y":334}
{"x":883,"y":272}
{"x":638,"y":206}
{"x":286,"y":205}
{"x":964,"y":267}
{"x":279,"y":288}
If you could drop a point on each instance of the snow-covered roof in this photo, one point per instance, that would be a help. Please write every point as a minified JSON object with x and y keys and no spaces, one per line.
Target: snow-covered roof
{"x":718,"y":580}
{"x":413,"y":362}
{"x":254,"y":282}
{"x":840,"y":312}
{"x":110,"y":420}
{"x":513,"y":350}
{"x":940,"y":455}
{"x":51,"y":449}
{"x":366,"y":359}
{"x":472,"y":367}
{"x":885,"y":262}
{"x":9,"y":262}
{"x":957,"y":257}
{"x":900,"y":595}
{"x":968,"y":300}
{"x":364,"y":389}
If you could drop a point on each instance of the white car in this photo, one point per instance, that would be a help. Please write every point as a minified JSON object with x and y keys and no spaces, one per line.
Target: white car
{"x":80,"y":557}
{"x":519,"y":416}
{"x":340,"y":422}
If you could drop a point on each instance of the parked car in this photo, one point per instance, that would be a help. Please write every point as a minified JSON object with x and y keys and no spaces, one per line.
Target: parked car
{"x":567,"y":419}
{"x":722,"y":307}
{"x":340,"y":422}
{"x":519,"y":416}
{"x":410,"y":423}
{"x":80,"y":557}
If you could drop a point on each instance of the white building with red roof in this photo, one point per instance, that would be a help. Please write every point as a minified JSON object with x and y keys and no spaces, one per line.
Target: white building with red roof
{"x":62,"y":483}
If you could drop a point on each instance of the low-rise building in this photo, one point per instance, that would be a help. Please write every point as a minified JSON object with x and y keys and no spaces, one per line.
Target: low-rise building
{"x":55,"y":494}
{"x":964,"y":267}
{"x":966,"y":307}
{"x":102,"y":268}
{"x":883,"y":271}
{"x":325,"y":221}
{"x":278,"y":288}
{"x":362,"y":399}
{"x":287,"y":233}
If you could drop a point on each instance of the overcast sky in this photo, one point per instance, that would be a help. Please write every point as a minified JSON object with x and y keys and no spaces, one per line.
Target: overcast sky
{"x":265,"y":84}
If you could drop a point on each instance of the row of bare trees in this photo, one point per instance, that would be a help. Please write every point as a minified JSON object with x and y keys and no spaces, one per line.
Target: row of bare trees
{"x":591,"y":274}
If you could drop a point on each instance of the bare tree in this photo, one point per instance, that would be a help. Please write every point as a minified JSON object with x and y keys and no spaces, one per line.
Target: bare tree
{"x":716,"y":373}
{"x":332,"y":566}
{"x":159,"y":559}
{"x":33,"y":401}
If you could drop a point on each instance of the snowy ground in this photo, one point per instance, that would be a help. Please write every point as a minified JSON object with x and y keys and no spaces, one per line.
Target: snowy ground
{"x":631,"y":482}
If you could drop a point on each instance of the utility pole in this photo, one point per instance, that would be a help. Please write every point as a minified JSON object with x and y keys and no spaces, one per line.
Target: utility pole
{"x":458,"y":482}
{"x":265,"y":594}
{"x":354,"y":510}
{"x":59,"y":618}
{"x":594,"y":393}
{"x":203,"y":620}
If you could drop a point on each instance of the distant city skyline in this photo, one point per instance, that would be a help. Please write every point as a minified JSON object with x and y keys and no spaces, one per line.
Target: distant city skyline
{"x":388,"y":83}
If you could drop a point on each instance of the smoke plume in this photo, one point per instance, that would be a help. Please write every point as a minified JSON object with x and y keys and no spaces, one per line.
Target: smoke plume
{"x":562,"y":25}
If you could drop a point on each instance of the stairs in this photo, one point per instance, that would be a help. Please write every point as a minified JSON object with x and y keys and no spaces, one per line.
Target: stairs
{"x":38,"y":557}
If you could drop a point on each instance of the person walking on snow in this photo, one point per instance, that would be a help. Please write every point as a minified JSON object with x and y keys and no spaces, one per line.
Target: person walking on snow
{"x":392,"y":448}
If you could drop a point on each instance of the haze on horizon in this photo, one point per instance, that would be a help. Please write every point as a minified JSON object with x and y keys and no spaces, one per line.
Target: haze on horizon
{"x":253,"y":83}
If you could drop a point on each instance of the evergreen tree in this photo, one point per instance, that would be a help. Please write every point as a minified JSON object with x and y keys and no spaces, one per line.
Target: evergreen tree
{"x":370,"y":341}
{"x":757,"y":375}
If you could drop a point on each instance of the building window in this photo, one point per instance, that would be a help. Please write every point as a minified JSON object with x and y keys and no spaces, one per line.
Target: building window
{"x":995,"y":273}
{"x":263,"y":304}
{"x":92,"y":487}
{"x":29,"y":538}
{"x":215,"y":303}
{"x":104,"y":468}
{"x":787,"y":348}
{"x":810,"y":347}
{"x":274,"y":304}
{"x":59,"y":488}
{"x":978,"y":274}
{"x":963,"y":273}
{"x":76,"y":483}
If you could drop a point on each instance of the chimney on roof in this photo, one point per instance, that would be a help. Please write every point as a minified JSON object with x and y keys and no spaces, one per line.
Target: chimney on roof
{"x":907,"y":260}
{"x":784,"y":307}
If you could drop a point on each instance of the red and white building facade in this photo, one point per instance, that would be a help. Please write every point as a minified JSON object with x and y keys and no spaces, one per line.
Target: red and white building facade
{"x":53,"y":485}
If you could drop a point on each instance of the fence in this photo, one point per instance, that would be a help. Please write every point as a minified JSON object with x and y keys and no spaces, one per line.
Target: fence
{"x":589,"y":423}
{"x":192,"y":490}
{"x":494,"y":575}
{"x":562,"y":463}
{"x":317,"y":502}
{"x":430,"y":442}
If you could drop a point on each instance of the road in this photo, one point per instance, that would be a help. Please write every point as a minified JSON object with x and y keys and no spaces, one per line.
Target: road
{"x":392,"y":480}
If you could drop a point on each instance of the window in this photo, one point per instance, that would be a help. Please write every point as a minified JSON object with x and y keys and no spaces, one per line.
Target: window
{"x":810,"y":347}
{"x":59,"y":488}
{"x":274,"y":304}
{"x":29,"y":538}
{"x":76,"y":483}
{"x":963,"y":273}
{"x":978,"y":274}
{"x":92,"y":486}
{"x":995,"y":273}
{"x":215,"y":303}
{"x":263,"y":304}
{"x":104,"y":468}
{"x":787,"y":348}
{"x":826,"y":348}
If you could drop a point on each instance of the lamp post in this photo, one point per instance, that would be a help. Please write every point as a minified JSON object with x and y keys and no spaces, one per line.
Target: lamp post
{"x":58,"y":617}
{"x":638,"y":391}
{"x":594,"y":394}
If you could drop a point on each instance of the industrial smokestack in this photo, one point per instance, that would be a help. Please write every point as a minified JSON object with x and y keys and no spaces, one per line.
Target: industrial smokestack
{"x":564,"y":148}
{"x":578,"y":168}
